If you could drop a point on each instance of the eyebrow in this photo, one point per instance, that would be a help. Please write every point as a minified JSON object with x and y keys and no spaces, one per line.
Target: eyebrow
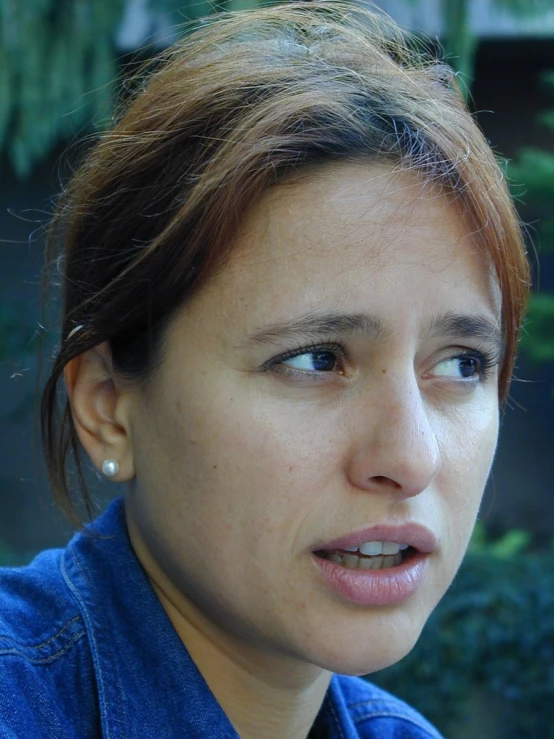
{"x":314,"y":327}
{"x":468,"y":327}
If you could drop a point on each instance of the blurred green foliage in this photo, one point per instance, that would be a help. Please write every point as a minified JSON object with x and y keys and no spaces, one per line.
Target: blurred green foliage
{"x":532,"y":178}
{"x":509,"y":545}
{"x":537,"y":340}
{"x":57,"y":66}
{"x":484,"y":665}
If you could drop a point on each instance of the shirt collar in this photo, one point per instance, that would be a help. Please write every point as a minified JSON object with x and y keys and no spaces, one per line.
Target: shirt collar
{"x":148,"y":686}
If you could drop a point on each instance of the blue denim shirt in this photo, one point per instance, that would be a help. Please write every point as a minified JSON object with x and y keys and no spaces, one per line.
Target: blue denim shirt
{"x":86,"y":650}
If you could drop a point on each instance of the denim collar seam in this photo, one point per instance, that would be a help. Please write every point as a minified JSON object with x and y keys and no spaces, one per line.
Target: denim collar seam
{"x":103,"y":689}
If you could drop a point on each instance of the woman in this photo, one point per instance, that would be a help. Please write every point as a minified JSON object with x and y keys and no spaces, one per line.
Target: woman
{"x":293,"y":281}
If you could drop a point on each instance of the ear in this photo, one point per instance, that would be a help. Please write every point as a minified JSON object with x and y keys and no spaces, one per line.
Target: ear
{"x":100,"y":410}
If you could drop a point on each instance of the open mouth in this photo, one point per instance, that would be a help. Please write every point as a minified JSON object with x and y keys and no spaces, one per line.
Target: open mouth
{"x":371,"y":556}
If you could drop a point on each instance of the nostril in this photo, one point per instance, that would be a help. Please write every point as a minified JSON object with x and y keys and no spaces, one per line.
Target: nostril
{"x":385,"y":481}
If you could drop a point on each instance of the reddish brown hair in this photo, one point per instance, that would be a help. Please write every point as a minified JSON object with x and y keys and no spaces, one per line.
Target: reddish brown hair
{"x":239,"y":104}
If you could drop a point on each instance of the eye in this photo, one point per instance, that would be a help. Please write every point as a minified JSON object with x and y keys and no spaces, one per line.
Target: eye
{"x":470,"y":365}
{"x":309,"y":362}
{"x":313,"y":361}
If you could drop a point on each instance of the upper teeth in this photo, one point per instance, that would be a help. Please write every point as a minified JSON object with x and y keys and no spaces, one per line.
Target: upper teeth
{"x":378,"y":547}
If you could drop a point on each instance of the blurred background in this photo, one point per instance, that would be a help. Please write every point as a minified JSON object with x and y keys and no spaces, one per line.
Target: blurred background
{"x":485,"y":665}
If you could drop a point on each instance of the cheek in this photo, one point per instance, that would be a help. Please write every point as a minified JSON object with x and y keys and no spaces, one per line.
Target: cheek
{"x":467,"y":461}
{"x":247,"y":467}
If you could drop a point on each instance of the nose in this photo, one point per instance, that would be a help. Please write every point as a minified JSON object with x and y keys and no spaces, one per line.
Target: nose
{"x":396,"y":448}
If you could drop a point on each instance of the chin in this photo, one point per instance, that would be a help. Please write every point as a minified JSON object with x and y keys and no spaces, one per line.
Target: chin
{"x":369,"y":647}
{"x":366,"y":664}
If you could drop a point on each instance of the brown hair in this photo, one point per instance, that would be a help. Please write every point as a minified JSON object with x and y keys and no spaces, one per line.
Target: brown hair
{"x":240,"y":103}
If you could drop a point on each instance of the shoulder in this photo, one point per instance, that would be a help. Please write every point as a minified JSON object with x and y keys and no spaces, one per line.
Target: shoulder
{"x":44,"y":654}
{"x":39,"y":619}
{"x":31,"y":599}
{"x":377,"y":713}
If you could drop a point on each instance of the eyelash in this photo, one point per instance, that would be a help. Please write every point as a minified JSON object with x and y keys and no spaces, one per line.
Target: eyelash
{"x":486,"y":359}
{"x":334,"y":348}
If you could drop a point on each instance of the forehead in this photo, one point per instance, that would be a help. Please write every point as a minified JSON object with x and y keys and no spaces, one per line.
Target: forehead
{"x":348,"y":223}
{"x":350,"y":239}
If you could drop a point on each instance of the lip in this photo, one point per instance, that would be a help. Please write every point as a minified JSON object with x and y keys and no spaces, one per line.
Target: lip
{"x":387,"y":587}
{"x":384,"y":587}
{"x":415,"y":535}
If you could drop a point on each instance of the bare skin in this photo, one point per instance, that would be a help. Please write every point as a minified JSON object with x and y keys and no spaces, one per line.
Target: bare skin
{"x":244,"y":457}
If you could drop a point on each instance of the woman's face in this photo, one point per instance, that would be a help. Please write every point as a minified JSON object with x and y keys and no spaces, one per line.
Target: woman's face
{"x":334,"y":386}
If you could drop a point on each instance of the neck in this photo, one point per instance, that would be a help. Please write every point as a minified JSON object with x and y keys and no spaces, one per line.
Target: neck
{"x":263,"y":696}
{"x":264,"y":693}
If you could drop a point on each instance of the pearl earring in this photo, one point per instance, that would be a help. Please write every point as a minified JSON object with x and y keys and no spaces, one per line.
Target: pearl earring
{"x":110,"y":467}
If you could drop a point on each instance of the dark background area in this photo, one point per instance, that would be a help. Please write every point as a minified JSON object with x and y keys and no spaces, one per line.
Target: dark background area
{"x":507,"y":96}
{"x":483,"y":666}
